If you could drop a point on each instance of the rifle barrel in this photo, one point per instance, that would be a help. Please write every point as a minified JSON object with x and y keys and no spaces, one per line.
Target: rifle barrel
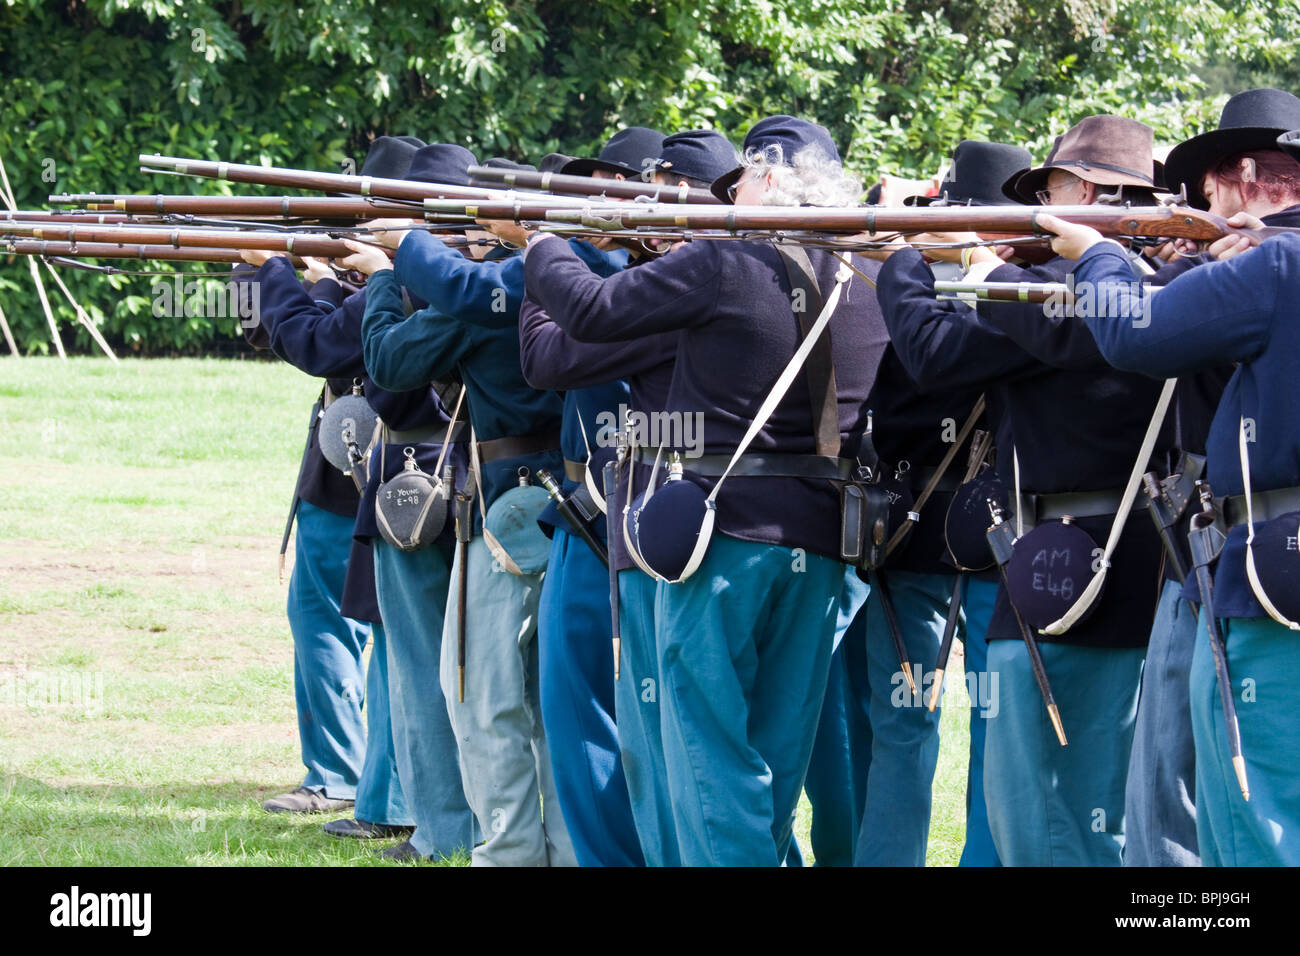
{"x":367,"y":186}
{"x":286,"y":207}
{"x":108,"y":250}
{"x":303,"y":244}
{"x":591,"y":186}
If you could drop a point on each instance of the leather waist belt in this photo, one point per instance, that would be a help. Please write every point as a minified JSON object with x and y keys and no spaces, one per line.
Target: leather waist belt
{"x":1035,"y":509}
{"x":495,"y":449}
{"x":1267,"y":505}
{"x":430,"y":435}
{"x":575,"y":471}
{"x":772,"y":465}
{"x":950,"y":482}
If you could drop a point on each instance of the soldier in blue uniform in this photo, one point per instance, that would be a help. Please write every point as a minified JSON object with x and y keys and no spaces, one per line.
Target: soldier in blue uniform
{"x":577,"y":665}
{"x":744,"y":642}
{"x":1048,"y":804}
{"x":329,"y":683}
{"x":1242,"y":311}
{"x":1160,"y":810}
{"x":410,"y":587}
{"x":469,"y":328}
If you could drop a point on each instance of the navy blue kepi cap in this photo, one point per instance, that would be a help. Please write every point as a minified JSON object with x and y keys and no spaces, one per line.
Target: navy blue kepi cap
{"x":390,"y":156}
{"x":790,"y":133}
{"x":700,"y":154}
{"x":442,"y":163}
{"x":629,"y":151}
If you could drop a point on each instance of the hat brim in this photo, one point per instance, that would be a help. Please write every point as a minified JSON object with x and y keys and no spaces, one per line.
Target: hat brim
{"x":931,"y":200}
{"x":1023,"y":187}
{"x":720,"y":186}
{"x":585,"y":167}
{"x":1191,"y":159}
{"x":1289,"y":143}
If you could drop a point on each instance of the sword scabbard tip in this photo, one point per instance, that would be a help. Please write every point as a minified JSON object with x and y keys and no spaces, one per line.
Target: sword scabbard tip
{"x":936,"y":688}
{"x":1055,"y":714}
{"x":1239,"y":765}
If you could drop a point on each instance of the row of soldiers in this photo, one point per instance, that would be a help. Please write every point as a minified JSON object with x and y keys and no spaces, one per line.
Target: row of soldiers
{"x":650,"y":665}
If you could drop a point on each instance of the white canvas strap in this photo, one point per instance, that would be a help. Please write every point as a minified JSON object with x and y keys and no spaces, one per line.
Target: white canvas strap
{"x":1251,"y":573}
{"x":1089,"y":596}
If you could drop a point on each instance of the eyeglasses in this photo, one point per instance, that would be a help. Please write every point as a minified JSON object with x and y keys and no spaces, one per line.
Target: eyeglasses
{"x":1044,"y":196}
{"x":745,"y":177}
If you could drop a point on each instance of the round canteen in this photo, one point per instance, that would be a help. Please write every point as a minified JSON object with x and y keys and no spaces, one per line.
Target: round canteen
{"x":348,"y":419}
{"x":968,"y":519}
{"x":512,"y":520}
{"x":664,"y":529}
{"x":1049,"y":570}
{"x":411,"y":508}
{"x":1277,"y":563}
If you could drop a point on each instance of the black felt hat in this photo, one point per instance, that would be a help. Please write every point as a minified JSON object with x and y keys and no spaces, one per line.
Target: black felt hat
{"x":1105,"y":150}
{"x":554,"y":162}
{"x":700,"y":154}
{"x":976,"y":175}
{"x":500,"y":162}
{"x":629,"y":151}
{"x":390,"y":156}
{"x":1250,"y":120}
{"x":790,"y":133}
{"x":445,"y":163}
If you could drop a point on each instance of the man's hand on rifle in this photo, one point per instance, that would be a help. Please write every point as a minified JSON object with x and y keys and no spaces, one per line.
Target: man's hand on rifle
{"x":510,"y":232}
{"x":1230,"y":246}
{"x":365,"y":258}
{"x":1072,"y":240}
{"x":316,"y":269}
{"x":393,"y":231}
{"x":256,"y":257}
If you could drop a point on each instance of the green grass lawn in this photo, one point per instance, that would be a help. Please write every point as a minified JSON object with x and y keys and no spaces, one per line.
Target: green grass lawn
{"x":146,"y":698}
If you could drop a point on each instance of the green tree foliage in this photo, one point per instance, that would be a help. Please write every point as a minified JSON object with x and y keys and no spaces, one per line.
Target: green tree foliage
{"x":89,"y":85}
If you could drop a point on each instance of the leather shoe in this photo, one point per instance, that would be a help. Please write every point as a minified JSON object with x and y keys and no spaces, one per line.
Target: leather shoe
{"x":304,"y":800}
{"x":365,"y":830}
{"x":404,"y":852}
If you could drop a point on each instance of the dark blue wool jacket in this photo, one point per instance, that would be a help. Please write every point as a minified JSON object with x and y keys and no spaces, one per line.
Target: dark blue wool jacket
{"x":731,"y":303}
{"x":404,"y":353}
{"x":1240,"y":310}
{"x":1077,"y":428}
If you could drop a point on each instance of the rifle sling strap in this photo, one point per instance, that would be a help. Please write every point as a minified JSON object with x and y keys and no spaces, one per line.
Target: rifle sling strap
{"x":819,"y":371}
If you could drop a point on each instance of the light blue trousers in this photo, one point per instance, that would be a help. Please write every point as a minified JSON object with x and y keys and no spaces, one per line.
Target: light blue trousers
{"x":329,"y":682}
{"x":412,"y":591}
{"x":836,"y":784}
{"x":1160,"y":801}
{"x":640,"y":738}
{"x":904,"y":740}
{"x":977,"y":608}
{"x":1264,"y":664}
{"x":744,"y":650}
{"x":576,"y":660}
{"x":1051,"y":805}
{"x":504,"y":762}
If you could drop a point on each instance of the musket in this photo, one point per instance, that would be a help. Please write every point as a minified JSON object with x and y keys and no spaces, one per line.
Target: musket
{"x":282,"y":207}
{"x":591,"y":186}
{"x":15,"y":215}
{"x":1168,"y":222}
{"x":1061,"y":293}
{"x":366,"y":186}
{"x":299,"y":244}
{"x":108,"y":250}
